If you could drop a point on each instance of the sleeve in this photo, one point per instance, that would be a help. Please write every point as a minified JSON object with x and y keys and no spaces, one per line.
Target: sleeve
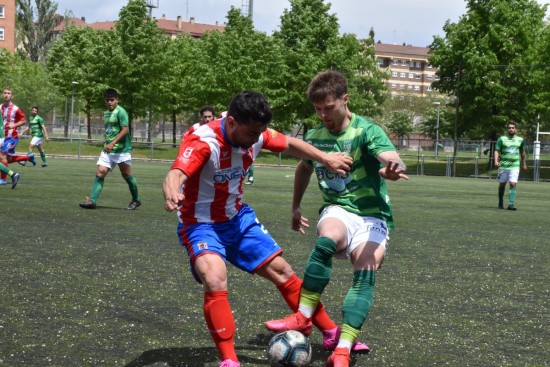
{"x":19,"y":116}
{"x":122,"y":117}
{"x":377,"y":140}
{"x":193,"y":154}
{"x":498,"y":144}
{"x":274,"y":141}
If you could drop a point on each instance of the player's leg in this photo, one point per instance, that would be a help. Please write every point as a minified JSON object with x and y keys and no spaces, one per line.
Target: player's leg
{"x":126,"y":172}
{"x":104,"y":165}
{"x":42,"y":155}
{"x":317,"y":273}
{"x":212,"y":271}
{"x":8,"y":172}
{"x":250,"y":180}
{"x":366,"y":250}
{"x":502,"y":179}
{"x":208,"y":267}
{"x":4,"y":162}
{"x":512,"y":181}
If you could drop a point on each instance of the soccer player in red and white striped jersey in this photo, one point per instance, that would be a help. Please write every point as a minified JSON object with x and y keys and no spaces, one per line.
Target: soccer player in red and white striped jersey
{"x":204,"y":185}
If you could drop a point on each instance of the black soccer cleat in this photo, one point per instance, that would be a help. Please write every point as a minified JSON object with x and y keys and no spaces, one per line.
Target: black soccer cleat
{"x":88,"y":204}
{"x":511,"y":207}
{"x":133,"y":205}
{"x":14,"y":180}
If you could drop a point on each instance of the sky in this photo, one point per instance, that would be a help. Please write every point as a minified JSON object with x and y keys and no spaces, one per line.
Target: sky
{"x":398,"y":21}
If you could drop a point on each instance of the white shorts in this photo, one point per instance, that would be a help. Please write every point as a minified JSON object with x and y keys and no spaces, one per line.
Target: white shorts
{"x":36,"y":141}
{"x":360,"y":229}
{"x":111,"y":160}
{"x":508,"y":175}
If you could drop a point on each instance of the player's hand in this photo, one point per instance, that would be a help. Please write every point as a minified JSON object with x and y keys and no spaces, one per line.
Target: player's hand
{"x":108,"y":148}
{"x":299,"y":222}
{"x":524,"y":168}
{"x":393,"y":171}
{"x":11,"y":125}
{"x":339,"y":163}
{"x":174,"y":201}
{"x":497,"y":164}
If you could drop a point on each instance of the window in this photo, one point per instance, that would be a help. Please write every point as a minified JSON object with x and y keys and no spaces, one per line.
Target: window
{"x":429,"y":76}
{"x":417,"y":76}
{"x":429,"y":88}
{"x":410,"y":87}
{"x":402,"y":75}
{"x":2,"y":12}
{"x":411,"y":75}
{"x":393,"y":85}
{"x":394,"y":74}
{"x":1,"y":33}
{"x":416,"y":87}
{"x":395,"y":62}
{"x":401,"y":86}
{"x":436,"y":77}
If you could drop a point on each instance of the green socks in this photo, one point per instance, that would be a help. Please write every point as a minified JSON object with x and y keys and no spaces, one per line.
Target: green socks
{"x":359,"y":298}
{"x":96,"y":188}
{"x":319,"y":265}
{"x":512,"y":196}
{"x":132,"y":184}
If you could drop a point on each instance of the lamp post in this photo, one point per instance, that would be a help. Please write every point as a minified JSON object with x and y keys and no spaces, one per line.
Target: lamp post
{"x":72,"y":111}
{"x":437,"y":130}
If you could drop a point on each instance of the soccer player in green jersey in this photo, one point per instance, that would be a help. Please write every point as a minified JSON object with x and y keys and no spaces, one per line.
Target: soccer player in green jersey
{"x":509,"y":156}
{"x":38,"y":133}
{"x":355,"y":215}
{"x":117,"y":150}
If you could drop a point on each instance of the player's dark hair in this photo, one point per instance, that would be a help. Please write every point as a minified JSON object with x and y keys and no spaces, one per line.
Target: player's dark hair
{"x":206,"y":108}
{"x":249,"y":107}
{"x":110,"y":93}
{"x":512,"y":123}
{"x":327,"y":83}
{"x":36,"y":107}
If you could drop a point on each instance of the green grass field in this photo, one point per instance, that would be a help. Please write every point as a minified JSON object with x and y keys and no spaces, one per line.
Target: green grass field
{"x":463,"y":284}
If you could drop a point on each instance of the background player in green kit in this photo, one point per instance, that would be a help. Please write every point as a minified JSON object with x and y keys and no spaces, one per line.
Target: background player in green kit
{"x":117,"y":150}
{"x":355,"y":215}
{"x":509,"y":154}
{"x":38,"y":133}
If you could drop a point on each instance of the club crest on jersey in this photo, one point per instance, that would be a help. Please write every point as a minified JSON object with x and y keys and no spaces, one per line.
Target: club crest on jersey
{"x":187,"y":152}
{"x":202,"y":245}
{"x":272,"y":132}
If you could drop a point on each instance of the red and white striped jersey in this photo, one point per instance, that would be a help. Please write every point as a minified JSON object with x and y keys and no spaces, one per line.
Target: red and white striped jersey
{"x":11,"y":114}
{"x":215,"y":172}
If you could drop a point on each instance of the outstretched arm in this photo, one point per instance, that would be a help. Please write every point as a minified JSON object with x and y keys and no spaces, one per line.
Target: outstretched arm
{"x":394,"y":168}
{"x":335,"y":162}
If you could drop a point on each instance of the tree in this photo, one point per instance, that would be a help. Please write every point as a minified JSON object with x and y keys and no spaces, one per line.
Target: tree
{"x":309,"y":34}
{"x":140,"y":75}
{"x":35,"y":26}
{"x":85,"y":56}
{"x":483,"y":63}
{"x":400,"y":125}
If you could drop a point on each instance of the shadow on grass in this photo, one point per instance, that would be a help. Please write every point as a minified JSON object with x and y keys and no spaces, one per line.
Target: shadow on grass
{"x":208,"y":356}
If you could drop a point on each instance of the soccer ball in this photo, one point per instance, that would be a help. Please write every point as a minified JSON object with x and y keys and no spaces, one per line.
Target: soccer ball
{"x":289,"y":349}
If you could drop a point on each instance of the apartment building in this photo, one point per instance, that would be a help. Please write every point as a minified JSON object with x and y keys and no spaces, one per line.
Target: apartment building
{"x":171,"y":28}
{"x":407,"y":66}
{"x":7,"y":25}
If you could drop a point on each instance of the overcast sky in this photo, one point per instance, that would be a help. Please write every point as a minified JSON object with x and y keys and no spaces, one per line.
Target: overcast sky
{"x":399,"y":21}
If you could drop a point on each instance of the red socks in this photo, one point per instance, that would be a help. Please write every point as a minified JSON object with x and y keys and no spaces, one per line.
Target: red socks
{"x":218,"y":316}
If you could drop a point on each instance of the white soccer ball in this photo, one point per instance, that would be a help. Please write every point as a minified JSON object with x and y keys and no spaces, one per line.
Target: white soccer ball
{"x":289,"y":349}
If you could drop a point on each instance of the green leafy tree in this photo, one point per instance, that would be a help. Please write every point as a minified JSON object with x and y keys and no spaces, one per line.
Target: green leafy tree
{"x":237,"y":59}
{"x":35,"y":24}
{"x":84,"y":56}
{"x":541,"y":103}
{"x":483,"y":63}
{"x":311,"y":40}
{"x":400,"y":124}
{"x":182,"y":78}
{"x":140,"y":75}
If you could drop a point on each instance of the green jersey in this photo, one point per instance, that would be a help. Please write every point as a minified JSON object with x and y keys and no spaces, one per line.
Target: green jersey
{"x":362,"y":191}
{"x":510,"y":149}
{"x":35,"y":125}
{"x":114,"y":121}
